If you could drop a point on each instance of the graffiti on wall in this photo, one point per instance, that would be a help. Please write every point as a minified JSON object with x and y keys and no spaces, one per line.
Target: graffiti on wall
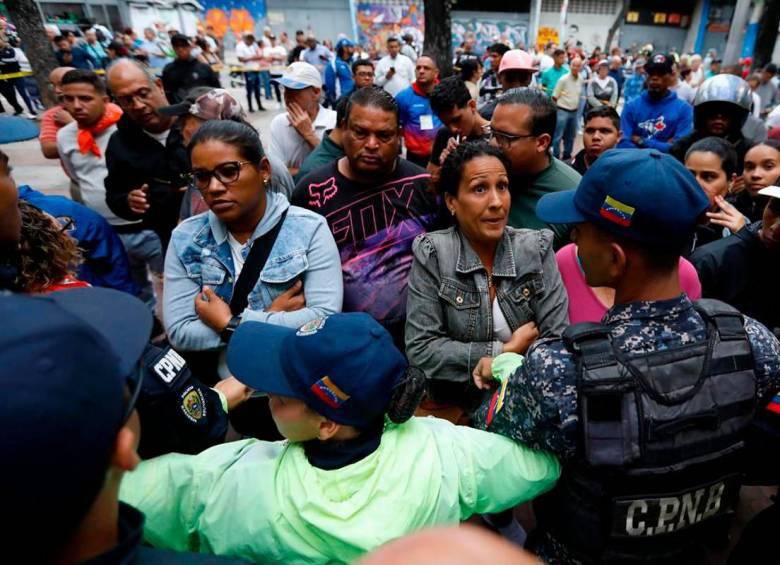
{"x":487,"y":32}
{"x":234,"y":16}
{"x":377,"y":22}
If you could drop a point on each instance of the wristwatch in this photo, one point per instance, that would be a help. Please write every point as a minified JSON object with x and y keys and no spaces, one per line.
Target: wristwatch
{"x":227,"y":333}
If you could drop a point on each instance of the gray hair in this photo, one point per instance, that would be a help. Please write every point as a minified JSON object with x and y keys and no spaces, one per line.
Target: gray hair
{"x":137,"y":64}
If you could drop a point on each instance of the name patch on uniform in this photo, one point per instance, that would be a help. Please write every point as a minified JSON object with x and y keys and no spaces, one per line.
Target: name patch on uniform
{"x":645,"y":517}
{"x":169,"y":366}
{"x":329,"y":393}
{"x":617,"y":212}
{"x":193,"y":405}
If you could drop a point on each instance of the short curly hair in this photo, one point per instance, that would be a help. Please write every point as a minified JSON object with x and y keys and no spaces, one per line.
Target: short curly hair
{"x":48,"y":255}
{"x":449,"y":94}
{"x":452,"y":168}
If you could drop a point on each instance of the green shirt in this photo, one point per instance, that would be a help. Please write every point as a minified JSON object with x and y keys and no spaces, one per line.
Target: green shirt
{"x":265,"y":502}
{"x":326,"y":152}
{"x":526,"y":192}
{"x":549,"y":78}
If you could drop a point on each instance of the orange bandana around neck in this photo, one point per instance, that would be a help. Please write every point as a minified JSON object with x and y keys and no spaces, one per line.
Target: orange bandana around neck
{"x":86,"y":136}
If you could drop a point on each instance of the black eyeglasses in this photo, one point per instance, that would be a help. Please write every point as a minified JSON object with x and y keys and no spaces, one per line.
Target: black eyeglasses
{"x":504,"y":139}
{"x":226,"y":173}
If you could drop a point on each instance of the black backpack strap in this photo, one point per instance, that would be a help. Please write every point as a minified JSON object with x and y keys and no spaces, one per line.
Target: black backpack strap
{"x":255,"y":261}
{"x":728,"y":321}
{"x":590,"y":343}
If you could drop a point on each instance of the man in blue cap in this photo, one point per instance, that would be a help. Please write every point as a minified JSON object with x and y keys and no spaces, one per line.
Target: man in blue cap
{"x":357,"y":470}
{"x":647,"y":410}
{"x":69,"y":378}
{"x":338,"y":72}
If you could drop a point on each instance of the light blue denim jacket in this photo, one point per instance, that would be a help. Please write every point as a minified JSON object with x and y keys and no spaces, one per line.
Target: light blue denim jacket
{"x":199,"y":255}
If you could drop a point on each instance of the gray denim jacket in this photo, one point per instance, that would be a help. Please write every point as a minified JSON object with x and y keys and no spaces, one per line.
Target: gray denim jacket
{"x":449,"y":315}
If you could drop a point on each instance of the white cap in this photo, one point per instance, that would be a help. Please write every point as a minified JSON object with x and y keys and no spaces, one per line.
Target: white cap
{"x":773,"y":191}
{"x":300,"y":75}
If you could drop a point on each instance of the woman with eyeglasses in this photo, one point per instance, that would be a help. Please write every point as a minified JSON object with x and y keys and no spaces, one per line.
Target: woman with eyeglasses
{"x":299,"y":281}
{"x":479,"y":288}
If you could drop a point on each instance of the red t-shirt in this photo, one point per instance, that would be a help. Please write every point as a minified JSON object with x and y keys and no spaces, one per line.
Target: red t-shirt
{"x":585,"y":306}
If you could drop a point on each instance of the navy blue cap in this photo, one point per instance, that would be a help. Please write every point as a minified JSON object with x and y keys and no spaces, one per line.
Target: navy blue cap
{"x":343,"y":367}
{"x":643,"y":195}
{"x":64,"y":360}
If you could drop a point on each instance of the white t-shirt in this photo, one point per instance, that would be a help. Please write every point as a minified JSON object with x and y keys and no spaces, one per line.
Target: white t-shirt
{"x":237,"y":254}
{"x":287,"y":143}
{"x":88,"y":170}
{"x":501,"y":329}
{"x":161,"y":138}
{"x":244,"y":50}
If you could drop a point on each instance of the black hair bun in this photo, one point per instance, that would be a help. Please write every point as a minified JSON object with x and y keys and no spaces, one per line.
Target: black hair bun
{"x":407,"y":395}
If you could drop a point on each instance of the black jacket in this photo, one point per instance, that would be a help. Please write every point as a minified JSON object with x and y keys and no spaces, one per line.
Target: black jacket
{"x":134,"y":158}
{"x":178,"y":412}
{"x":180,"y":76}
{"x":739,"y":270}
{"x":738,"y":142}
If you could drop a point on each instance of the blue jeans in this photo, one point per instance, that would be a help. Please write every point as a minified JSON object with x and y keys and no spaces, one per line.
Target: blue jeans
{"x":252,"y":79}
{"x":566,"y":129}
{"x":144,"y":255}
{"x":265,"y":77}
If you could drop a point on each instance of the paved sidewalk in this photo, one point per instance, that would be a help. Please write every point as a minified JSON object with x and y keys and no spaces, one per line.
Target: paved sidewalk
{"x":31,"y":167}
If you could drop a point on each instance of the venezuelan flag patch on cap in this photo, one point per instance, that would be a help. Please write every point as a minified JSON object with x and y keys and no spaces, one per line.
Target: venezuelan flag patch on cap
{"x":617,"y":212}
{"x":774,"y":404}
{"x":329,"y":393}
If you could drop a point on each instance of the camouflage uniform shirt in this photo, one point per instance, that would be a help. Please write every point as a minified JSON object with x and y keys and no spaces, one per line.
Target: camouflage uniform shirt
{"x":539,"y":406}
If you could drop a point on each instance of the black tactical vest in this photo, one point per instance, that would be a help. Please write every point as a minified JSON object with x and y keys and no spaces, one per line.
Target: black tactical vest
{"x":658,"y":467}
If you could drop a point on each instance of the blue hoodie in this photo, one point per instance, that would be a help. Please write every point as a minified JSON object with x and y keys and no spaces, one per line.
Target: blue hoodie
{"x":105,"y":260}
{"x":659,"y":122}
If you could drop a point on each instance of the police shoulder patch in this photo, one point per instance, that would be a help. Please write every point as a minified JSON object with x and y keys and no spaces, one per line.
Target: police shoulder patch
{"x":311,"y":328}
{"x":193,"y":405}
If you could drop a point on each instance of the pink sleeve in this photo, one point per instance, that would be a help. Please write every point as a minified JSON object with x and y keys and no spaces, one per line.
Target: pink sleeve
{"x":689,"y":279}
{"x":49,"y":128}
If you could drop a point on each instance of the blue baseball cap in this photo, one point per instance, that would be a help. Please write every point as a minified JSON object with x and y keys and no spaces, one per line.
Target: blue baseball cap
{"x":65,"y":360}
{"x":344,"y":367}
{"x":642,"y":195}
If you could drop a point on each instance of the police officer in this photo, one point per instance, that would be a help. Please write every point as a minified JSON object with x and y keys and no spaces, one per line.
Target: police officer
{"x":68,"y":384}
{"x":648,"y":409}
{"x":178,"y":412}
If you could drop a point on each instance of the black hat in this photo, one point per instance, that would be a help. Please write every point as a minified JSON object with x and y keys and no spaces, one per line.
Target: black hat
{"x":659,"y":64}
{"x":179,"y":39}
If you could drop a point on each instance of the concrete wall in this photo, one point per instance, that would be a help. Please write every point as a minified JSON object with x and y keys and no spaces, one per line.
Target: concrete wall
{"x":591,"y":28}
{"x":327,"y":18}
{"x":662,"y":38}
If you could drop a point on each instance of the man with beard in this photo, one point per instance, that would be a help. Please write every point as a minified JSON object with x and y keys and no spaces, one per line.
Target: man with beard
{"x":657,"y":118}
{"x":375,"y":203}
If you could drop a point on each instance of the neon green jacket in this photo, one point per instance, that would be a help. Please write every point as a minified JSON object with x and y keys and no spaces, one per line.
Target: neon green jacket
{"x":263,"y":501}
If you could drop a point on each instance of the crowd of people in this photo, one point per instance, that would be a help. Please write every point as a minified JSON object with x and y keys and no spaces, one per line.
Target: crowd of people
{"x":442,"y":309}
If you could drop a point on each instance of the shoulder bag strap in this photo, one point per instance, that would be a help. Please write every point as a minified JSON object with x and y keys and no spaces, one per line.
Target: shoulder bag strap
{"x":255,"y":261}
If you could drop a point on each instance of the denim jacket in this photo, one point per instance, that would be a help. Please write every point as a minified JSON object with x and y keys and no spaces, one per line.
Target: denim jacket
{"x":199,"y":255}
{"x":449,"y":317}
